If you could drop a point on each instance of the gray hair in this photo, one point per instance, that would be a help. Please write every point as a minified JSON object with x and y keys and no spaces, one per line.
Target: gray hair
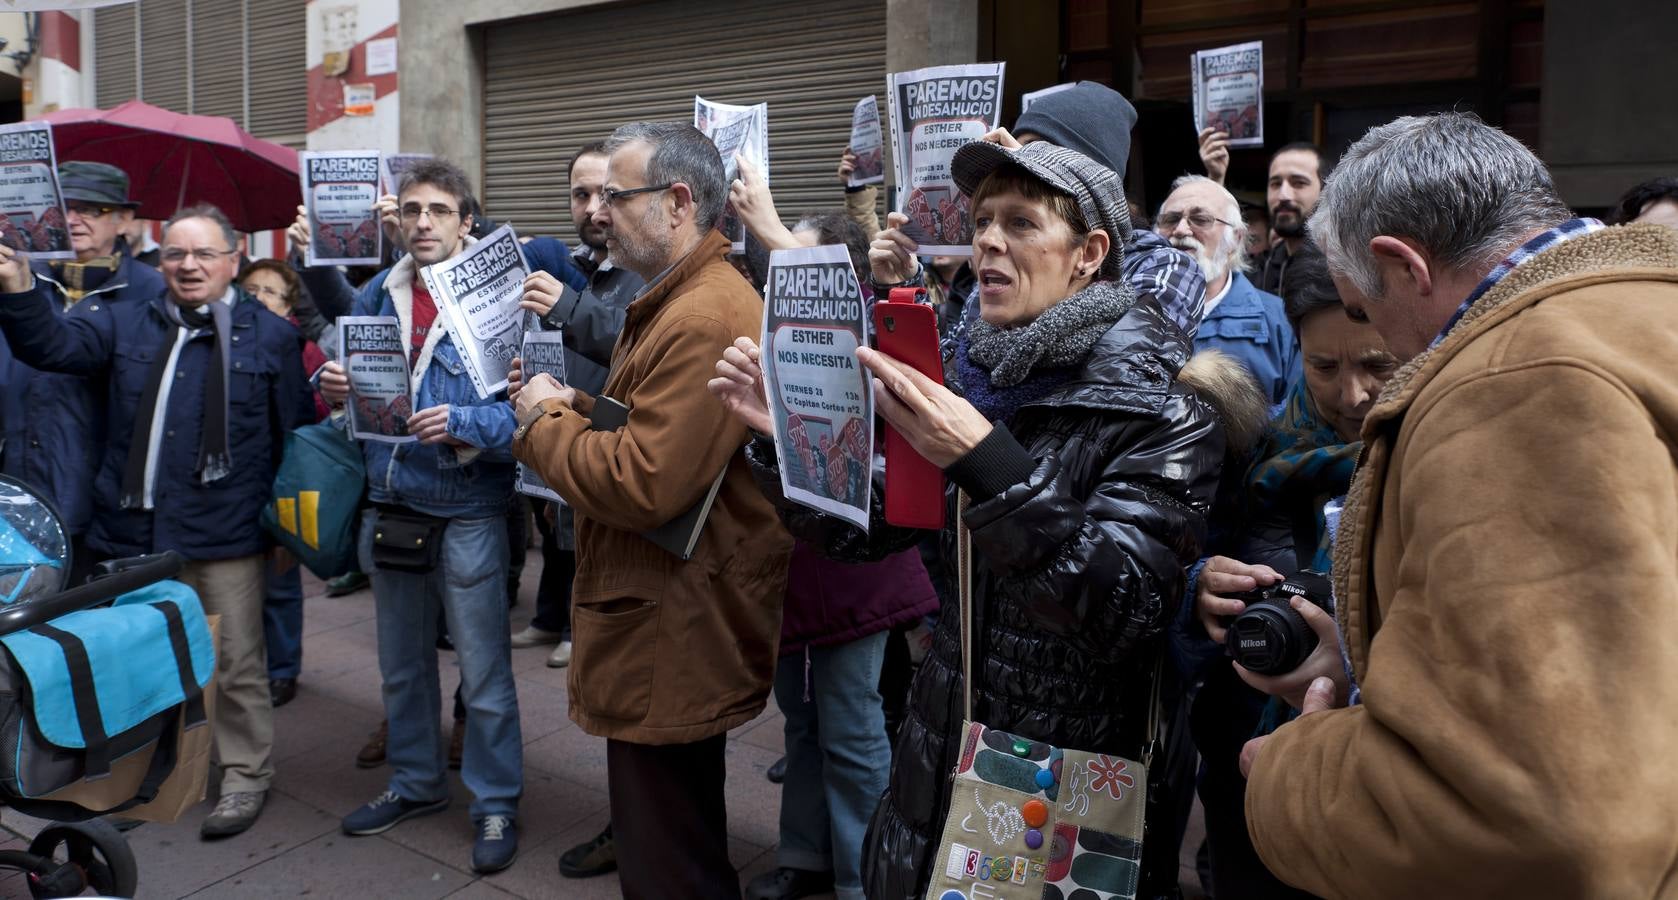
{"x":681,"y":153}
{"x":1463,"y":190}
{"x":206,"y":211}
{"x":1230,"y":245}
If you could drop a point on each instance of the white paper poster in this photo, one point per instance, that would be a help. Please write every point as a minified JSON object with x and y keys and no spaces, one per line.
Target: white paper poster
{"x":742,"y":130}
{"x":479,"y":290}
{"x":867,"y":143}
{"x":340,"y":190}
{"x":397,"y":163}
{"x":381,"y":388}
{"x":542,"y":352}
{"x":381,"y":56}
{"x":32,"y":217}
{"x":933,"y":113}
{"x":1031,"y":97}
{"x":820,"y":397}
{"x":1229,"y":92}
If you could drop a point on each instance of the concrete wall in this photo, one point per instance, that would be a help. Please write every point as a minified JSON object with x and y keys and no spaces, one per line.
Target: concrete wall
{"x":441,"y":61}
{"x":1607,"y":97}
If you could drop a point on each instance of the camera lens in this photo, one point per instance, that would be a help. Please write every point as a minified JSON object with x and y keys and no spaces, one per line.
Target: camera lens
{"x":1270,"y":638}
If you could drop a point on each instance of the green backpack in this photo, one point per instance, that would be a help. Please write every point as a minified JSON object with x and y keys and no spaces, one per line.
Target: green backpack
{"x":317,"y":495}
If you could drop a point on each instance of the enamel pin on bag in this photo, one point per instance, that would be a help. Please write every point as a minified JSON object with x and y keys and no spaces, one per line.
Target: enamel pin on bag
{"x":1030,"y":821}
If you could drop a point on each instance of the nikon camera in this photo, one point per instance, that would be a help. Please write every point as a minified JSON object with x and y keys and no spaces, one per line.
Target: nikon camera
{"x":1268,"y":637}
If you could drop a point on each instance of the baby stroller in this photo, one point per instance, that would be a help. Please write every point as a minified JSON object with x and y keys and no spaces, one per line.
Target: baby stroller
{"x":98,"y":683}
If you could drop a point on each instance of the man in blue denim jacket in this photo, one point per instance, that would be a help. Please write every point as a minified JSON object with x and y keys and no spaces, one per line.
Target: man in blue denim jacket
{"x":461,"y":472}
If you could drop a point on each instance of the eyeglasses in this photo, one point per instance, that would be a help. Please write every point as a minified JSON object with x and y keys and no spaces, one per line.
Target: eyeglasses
{"x":1197,"y":219}
{"x":611,"y":196}
{"x":203,"y":254}
{"x":89,"y":210}
{"x":266,"y":291}
{"x":412,"y":211}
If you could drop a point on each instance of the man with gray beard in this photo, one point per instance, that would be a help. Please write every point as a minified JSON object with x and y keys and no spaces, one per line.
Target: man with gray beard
{"x":1203,"y":218}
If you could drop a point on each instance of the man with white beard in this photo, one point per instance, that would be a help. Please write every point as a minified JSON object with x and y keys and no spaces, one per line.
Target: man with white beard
{"x":1203,"y":218}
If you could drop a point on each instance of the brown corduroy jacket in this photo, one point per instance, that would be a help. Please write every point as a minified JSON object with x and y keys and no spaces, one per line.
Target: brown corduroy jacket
{"x":667,"y":651}
{"x":1506,"y":569}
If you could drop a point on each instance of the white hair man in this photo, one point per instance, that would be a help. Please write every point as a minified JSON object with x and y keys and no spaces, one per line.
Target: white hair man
{"x":1504,"y":560}
{"x":1202,"y":217}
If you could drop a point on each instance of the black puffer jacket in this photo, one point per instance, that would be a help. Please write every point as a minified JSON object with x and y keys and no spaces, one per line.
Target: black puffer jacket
{"x":1078,"y":570}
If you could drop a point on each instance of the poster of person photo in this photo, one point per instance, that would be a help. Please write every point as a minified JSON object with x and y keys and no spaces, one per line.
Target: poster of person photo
{"x":32,"y":217}
{"x":820,"y":397}
{"x":1229,"y":92}
{"x":340,"y":190}
{"x":479,"y":290}
{"x":742,"y":130}
{"x":381,"y":390}
{"x":867,"y":143}
{"x":933,"y":112}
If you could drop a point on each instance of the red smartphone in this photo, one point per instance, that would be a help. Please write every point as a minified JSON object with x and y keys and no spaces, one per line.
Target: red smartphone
{"x":906,"y":329}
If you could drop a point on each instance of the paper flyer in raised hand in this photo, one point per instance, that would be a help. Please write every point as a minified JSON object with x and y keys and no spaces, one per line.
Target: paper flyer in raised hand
{"x":397,"y":163}
{"x":340,"y":189}
{"x":381,"y":392}
{"x":542,"y":352}
{"x":1229,"y":92}
{"x":479,"y":290}
{"x":867,"y":143}
{"x":933,"y":112}
{"x":820,"y":397}
{"x":742,"y":130}
{"x":1030,"y":97}
{"x":32,"y":217}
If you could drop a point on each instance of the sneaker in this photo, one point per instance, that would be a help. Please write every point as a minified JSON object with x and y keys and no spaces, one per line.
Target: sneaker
{"x":788,"y":884}
{"x":234,"y":812}
{"x":457,"y":743}
{"x":496,"y":846}
{"x":347,"y":583}
{"x":596,"y":857}
{"x":561,"y":657}
{"x":777,"y":771}
{"x":281,"y":691}
{"x":531,"y":636}
{"x":387,"y":811}
{"x":373,"y":753}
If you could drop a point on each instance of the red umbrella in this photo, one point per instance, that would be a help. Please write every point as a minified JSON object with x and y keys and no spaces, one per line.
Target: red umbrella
{"x":175,"y":160}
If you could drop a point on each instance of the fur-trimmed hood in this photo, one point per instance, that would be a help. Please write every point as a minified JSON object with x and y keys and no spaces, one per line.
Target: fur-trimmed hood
{"x":1222,"y":381}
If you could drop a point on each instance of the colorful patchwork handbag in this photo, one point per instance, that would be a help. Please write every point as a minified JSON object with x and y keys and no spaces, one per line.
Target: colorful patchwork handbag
{"x":1029,"y":821}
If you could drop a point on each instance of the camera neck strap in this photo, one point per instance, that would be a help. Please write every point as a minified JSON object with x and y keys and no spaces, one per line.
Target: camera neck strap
{"x":964,"y":591}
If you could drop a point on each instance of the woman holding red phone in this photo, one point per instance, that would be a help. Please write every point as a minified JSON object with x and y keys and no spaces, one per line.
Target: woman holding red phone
{"x":1089,"y":457}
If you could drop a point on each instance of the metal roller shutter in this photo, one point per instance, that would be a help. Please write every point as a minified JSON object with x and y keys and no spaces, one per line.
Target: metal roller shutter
{"x":556,"y":83}
{"x":279,"y":71}
{"x":164,"y":65}
{"x":114,"y":68}
{"x":218,"y":79}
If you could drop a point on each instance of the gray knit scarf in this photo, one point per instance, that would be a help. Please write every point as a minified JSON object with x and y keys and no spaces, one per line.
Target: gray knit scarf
{"x":1061,"y":336}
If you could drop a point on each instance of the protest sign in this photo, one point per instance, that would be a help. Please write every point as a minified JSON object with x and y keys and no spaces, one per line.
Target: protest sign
{"x":542,"y":352}
{"x":742,"y":130}
{"x":1030,"y":97}
{"x":32,"y":217}
{"x":933,"y":112}
{"x":340,"y":189}
{"x":867,"y":144}
{"x":397,"y":163}
{"x":820,"y":397}
{"x":479,"y":290}
{"x":381,"y":390}
{"x":1229,"y":92}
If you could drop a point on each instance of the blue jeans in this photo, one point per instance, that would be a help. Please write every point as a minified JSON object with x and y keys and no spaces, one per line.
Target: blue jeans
{"x":282,"y":623}
{"x":470,"y":586}
{"x":837,"y":757}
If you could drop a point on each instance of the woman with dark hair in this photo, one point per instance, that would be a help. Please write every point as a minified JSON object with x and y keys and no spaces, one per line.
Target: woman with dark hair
{"x":1088,"y":459}
{"x":1269,"y":523}
{"x":278,"y":287}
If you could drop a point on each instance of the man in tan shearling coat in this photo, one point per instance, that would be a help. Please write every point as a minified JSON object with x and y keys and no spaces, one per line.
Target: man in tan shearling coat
{"x":1506,"y":566}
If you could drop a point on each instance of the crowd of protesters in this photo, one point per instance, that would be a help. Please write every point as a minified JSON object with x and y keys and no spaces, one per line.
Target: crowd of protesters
{"x":1414,"y":375}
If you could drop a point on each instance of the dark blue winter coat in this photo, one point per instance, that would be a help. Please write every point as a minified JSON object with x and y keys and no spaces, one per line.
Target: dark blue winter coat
{"x":54,"y":429}
{"x":1252,"y":326}
{"x":267,"y":396}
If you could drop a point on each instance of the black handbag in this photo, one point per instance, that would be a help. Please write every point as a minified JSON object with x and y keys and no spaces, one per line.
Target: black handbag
{"x":407,"y":541}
